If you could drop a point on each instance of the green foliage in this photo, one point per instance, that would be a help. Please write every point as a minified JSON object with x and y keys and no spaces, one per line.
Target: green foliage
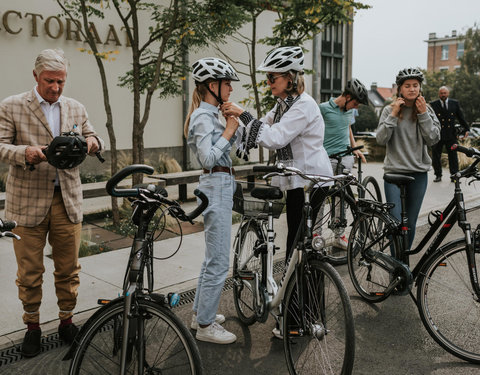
{"x":471,"y":56}
{"x":300,"y":20}
{"x":435,"y":80}
{"x":467,"y":91}
{"x":87,"y":248}
{"x":366,"y":120}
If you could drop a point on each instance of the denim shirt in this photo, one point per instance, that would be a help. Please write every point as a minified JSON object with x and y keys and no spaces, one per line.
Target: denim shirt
{"x":205,"y":137}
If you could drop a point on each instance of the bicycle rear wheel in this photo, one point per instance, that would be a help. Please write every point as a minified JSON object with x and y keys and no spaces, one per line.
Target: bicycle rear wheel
{"x":168,"y":346}
{"x":328,"y":345}
{"x":447,"y":303}
{"x":372,"y":189}
{"x":245,"y":266}
{"x":369,"y":237}
{"x":337,"y":230}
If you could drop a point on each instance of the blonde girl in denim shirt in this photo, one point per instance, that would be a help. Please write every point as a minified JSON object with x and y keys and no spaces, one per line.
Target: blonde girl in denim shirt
{"x":211,"y":142}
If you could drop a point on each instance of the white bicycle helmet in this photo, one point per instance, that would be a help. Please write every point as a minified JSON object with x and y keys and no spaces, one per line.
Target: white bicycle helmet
{"x":283,"y":59}
{"x":213,"y":68}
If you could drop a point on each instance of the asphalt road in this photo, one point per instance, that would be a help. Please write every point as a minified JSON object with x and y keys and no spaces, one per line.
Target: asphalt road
{"x":390,"y":339}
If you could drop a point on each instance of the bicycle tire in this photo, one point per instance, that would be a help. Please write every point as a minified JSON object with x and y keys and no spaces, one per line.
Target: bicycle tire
{"x":336,"y":233}
{"x":328,"y":346}
{"x":169,"y":347}
{"x":243,"y":289}
{"x":371,"y":235}
{"x":372,"y":189}
{"x":446,"y":302}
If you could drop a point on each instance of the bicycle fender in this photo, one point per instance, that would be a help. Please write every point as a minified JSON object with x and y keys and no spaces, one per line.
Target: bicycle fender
{"x":84,"y":327}
{"x":440,"y":249}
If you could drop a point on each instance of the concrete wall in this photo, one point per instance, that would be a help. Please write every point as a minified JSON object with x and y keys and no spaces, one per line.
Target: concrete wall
{"x":28,"y":26}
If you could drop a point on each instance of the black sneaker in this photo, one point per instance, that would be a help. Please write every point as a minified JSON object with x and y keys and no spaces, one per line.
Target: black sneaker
{"x":67,"y":333}
{"x":31,"y":345}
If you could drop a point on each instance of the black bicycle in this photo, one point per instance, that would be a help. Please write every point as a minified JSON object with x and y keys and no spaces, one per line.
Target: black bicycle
{"x":446,"y":276}
{"x":339,"y":209}
{"x":138,"y":333}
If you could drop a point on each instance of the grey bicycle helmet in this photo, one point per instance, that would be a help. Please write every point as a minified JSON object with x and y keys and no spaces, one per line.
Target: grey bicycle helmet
{"x":357,"y":90}
{"x":213,"y":68}
{"x":408,"y":73}
{"x":66,"y":151}
{"x":283,"y":59}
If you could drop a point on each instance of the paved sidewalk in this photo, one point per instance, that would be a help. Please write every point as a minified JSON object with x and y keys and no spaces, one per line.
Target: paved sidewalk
{"x":102,"y":275}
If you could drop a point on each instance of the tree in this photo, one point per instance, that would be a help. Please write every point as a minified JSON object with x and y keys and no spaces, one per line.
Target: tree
{"x":471,"y":56}
{"x":158,"y":64}
{"x":366,"y":120}
{"x":297,"y":22}
{"x":435,"y":80}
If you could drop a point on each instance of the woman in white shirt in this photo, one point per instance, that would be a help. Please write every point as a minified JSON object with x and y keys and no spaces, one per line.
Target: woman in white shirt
{"x":294,"y":128}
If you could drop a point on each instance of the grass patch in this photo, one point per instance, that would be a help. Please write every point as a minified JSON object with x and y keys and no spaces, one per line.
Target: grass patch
{"x":88,"y":248}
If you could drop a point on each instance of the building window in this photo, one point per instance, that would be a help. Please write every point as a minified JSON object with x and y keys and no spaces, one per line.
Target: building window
{"x":444,"y":52}
{"x":460,"y":50}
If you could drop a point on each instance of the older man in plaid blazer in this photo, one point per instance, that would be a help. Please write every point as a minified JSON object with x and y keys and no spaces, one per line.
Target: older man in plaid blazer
{"x":44,"y":201}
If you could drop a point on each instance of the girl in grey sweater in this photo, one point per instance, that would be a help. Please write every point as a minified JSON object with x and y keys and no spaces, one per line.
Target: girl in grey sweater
{"x":406,"y":128}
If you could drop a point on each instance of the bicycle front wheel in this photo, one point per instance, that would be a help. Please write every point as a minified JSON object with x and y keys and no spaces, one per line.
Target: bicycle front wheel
{"x":447,"y":303}
{"x":328,"y":344}
{"x":369,"y":239}
{"x":167,"y":346}
{"x":372,"y":189}
{"x":246,"y":266}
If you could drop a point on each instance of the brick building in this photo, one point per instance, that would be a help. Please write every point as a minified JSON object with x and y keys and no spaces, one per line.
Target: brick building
{"x":444,"y":53}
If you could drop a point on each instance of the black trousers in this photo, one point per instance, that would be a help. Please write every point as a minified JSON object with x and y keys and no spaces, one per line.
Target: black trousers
{"x":437,"y":155}
{"x":294,"y":202}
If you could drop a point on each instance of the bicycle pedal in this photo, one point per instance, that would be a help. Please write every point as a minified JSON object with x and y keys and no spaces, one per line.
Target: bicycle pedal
{"x":103,"y":301}
{"x":246,"y":275}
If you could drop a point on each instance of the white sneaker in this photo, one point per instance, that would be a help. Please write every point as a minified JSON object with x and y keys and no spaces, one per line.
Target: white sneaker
{"x":341,"y":242}
{"x":219,"y":318}
{"x":216,"y":334}
{"x":277,"y":333}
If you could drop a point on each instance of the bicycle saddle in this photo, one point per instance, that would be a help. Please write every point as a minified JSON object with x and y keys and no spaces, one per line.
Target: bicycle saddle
{"x":398,"y":179}
{"x":266,"y":193}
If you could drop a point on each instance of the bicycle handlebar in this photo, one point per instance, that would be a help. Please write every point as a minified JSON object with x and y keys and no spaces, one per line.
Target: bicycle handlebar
{"x":120,"y":175}
{"x":138,"y":191}
{"x":349,"y":150}
{"x":469,"y":151}
{"x":7,"y":225}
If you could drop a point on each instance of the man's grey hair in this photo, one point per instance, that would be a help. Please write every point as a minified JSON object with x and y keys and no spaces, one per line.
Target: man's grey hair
{"x":51,"y":60}
{"x":444,"y":88}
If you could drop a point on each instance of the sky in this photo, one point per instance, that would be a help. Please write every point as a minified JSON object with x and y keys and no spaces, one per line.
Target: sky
{"x":391,"y":34}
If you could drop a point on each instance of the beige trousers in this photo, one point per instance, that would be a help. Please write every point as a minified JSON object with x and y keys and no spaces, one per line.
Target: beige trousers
{"x":64,"y":237}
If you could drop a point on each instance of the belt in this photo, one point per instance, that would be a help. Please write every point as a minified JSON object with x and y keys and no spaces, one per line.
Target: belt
{"x":219,"y":168}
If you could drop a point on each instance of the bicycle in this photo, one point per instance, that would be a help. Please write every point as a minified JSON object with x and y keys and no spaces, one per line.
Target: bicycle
{"x":341,"y":208}
{"x":446,"y":277}
{"x":149,"y":338}
{"x":311,"y":304}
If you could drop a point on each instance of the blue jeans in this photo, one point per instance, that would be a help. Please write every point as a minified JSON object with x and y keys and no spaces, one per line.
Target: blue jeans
{"x":217,"y":218}
{"x":415,"y":193}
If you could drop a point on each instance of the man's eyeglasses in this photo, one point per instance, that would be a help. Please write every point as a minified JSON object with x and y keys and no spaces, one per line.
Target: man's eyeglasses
{"x":271,"y":77}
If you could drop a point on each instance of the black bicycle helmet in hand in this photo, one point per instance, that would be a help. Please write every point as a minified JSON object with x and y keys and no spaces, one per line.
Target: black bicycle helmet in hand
{"x":66,"y":151}
{"x":357,"y":91}
{"x":408,"y":73}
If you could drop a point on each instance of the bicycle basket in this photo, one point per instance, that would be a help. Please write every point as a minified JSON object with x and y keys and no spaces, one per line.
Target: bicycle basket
{"x":252,"y":207}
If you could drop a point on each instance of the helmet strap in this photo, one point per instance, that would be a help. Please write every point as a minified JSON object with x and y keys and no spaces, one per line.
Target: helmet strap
{"x":219,"y":96}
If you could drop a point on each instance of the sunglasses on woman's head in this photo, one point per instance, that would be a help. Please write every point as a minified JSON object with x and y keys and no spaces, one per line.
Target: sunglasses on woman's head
{"x":271,"y":77}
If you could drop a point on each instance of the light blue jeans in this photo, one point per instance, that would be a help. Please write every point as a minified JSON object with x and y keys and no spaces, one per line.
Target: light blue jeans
{"x":217,"y":218}
{"x":415,"y":193}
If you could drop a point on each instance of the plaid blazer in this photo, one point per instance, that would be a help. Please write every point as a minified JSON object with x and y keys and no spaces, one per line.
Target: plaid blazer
{"x":29,"y":193}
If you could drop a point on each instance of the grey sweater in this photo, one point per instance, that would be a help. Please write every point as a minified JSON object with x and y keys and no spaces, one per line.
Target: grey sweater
{"x":406,"y":141}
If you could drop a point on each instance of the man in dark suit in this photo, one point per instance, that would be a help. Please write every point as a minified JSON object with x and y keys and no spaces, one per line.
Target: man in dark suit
{"x":448,"y":112}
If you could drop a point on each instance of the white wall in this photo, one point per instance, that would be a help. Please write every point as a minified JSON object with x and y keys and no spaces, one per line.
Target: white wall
{"x":18,"y":52}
